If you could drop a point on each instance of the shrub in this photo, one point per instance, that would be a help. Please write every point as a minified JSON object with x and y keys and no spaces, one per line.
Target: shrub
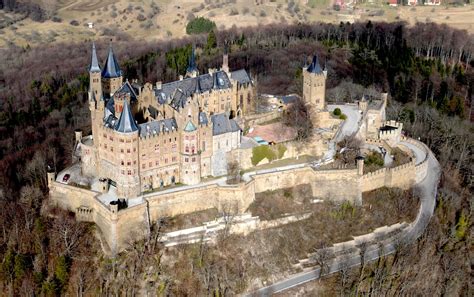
{"x":261,"y":152}
{"x":200,"y":25}
{"x":337,"y":112}
{"x":343,"y":117}
{"x":141,"y":17}
{"x":263,"y":13}
{"x":233,"y":11}
{"x":374,"y":159}
{"x":74,"y":23}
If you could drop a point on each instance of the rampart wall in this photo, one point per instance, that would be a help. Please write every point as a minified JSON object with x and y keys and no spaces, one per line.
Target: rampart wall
{"x":131,"y":224}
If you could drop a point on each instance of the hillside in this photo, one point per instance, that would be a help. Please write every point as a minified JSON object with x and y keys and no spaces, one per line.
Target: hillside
{"x":160,"y":19}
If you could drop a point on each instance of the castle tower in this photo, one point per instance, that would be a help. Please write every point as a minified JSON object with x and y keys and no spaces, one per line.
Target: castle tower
{"x":225,"y":61}
{"x":192,"y":70}
{"x":190,"y":155}
{"x":111,"y":74}
{"x":314,"y":85}
{"x":127,"y":177}
{"x":96,"y":98}
{"x":95,"y":82}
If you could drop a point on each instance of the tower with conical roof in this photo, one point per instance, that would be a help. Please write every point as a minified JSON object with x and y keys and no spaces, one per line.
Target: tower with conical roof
{"x":192,"y":70}
{"x":111,"y":74}
{"x":314,"y":85}
{"x":96,"y":101}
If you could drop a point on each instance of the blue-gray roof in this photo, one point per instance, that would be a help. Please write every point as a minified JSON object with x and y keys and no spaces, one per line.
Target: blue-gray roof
{"x":94,"y":67}
{"x":222,"y":124}
{"x":190,"y":127}
{"x":241,"y":76}
{"x":178,"y":91}
{"x":111,"y":67}
{"x":126,"y":123}
{"x":203,"y":118}
{"x":314,"y":67}
{"x":127,"y":88}
{"x":157,"y":127}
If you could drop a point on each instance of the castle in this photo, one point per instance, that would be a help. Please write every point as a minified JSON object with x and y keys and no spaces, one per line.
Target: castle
{"x":151,"y":136}
{"x":146,"y":137}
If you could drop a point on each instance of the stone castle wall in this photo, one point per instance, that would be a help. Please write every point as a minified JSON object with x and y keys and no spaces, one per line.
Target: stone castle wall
{"x":131,"y":224}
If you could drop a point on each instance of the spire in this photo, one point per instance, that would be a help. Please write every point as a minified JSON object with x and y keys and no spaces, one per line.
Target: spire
{"x":192,"y":62}
{"x":94,"y":67}
{"x":215,"y":82}
{"x":126,"y":123}
{"x":314,"y":67}
{"x":111,"y":67}
{"x":198,"y":88}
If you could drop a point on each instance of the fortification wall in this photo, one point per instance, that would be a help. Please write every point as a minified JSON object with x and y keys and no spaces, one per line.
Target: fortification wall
{"x":402,"y":176}
{"x":77,"y":199}
{"x":421,"y":169}
{"x":223,"y":197}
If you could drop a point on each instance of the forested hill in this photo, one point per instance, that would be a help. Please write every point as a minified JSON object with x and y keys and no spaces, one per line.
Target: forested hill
{"x":427,"y":69}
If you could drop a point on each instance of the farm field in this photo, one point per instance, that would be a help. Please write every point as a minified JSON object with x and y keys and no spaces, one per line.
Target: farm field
{"x":163,"y":19}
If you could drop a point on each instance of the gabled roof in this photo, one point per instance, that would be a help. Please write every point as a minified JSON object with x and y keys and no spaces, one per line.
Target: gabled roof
{"x":94,"y":67}
{"x":314,"y":67}
{"x":111,"y":67}
{"x":178,"y":91}
{"x":241,"y":76}
{"x":190,"y":127}
{"x":126,"y":123}
{"x":127,"y":88}
{"x":222,"y":124}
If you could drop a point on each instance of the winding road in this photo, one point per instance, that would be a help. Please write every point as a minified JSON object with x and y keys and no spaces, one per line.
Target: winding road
{"x":427,"y":190}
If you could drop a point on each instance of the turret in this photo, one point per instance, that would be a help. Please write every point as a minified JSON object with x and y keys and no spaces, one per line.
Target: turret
{"x":192,"y":70}
{"x":225,"y":60}
{"x":95,"y":83}
{"x":111,"y":74}
{"x":360,"y":165}
{"x":314,"y":85}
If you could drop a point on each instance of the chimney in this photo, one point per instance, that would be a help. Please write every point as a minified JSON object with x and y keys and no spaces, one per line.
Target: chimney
{"x":225,"y":61}
{"x":180,"y":77}
{"x":158,"y":85}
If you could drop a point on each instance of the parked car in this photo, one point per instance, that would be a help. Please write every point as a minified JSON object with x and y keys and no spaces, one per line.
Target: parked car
{"x":66,"y":177}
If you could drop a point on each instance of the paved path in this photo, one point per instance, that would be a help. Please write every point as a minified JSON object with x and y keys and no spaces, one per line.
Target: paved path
{"x":427,"y":191}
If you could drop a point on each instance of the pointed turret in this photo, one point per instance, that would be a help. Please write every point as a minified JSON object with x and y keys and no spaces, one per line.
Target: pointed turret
{"x":215,"y":81}
{"x":111,"y":67}
{"x":198,"y":88}
{"x":314,"y":67}
{"x":192,"y":70}
{"x":126,"y":123}
{"x":225,"y":60}
{"x":94,"y":67}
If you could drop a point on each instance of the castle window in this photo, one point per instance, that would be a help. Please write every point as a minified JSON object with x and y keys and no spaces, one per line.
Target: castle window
{"x":192,"y":137}
{"x":173,"y":159}
{"x":157,"y":163}
{"x":175,"y":139}
{"x":129,"y":141}
{"x":192,"y":150}
{"x":194,"y":159}
{"x":186,"y":160}
{"x":173,"y":147}
{"x":222,"y":106}
{"x":157,"y":148}
{"x":166,"y":160}
{"x":122,"y":163}
{"x":105,"y":145}
{"x":186,"y":149}
{"x":111,"y":138}
{"x":203,"y":145}
{"x":150,"y":164}
{"x":129,"y":172}
{"x":123,"y":172}
{"x":134,"y":162}
{"x":134,"y":150}
{"x":111,"y":149}
{"x":121,"y":150}
{"x":121,"y":140}
{"x":143,"y":166}
{"x":128,"y":151}
{"x":105,"y":136}
{"x":186,"y":137}
{"x":170,"y":140}
{"x":129,"y":163}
